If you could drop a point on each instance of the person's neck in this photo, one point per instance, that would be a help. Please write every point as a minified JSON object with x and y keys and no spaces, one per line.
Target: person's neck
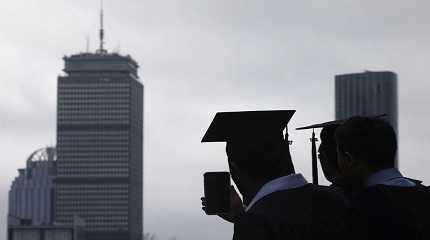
{"x":367,"y":172}
{"x":373,"y":171}
{"x":348,"y":185}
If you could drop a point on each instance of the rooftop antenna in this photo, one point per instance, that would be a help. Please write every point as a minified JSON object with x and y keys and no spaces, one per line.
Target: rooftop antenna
{"x":102,"y":31}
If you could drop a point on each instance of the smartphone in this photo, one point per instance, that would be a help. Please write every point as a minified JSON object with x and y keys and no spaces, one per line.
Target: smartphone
{"x":217,"y":192}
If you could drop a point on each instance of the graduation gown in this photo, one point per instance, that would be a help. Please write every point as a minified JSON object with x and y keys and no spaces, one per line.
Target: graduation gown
{"x":391,"y":212}
{"x":306,"y":212}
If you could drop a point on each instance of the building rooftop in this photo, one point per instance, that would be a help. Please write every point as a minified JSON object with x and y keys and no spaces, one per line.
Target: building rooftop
{"x":101,"y":56}
{"x":100,"y":62}
{"x":367,"y":72}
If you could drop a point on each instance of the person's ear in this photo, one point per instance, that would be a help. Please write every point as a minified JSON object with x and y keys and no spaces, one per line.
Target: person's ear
{"x":349,"y":160}
{"x":344,"y":159}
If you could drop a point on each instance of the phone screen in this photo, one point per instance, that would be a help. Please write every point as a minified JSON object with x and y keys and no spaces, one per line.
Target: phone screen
{"x":217,"y":192}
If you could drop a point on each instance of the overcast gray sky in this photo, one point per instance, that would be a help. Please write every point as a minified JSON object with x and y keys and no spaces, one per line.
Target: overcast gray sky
{"x":199,"y":57}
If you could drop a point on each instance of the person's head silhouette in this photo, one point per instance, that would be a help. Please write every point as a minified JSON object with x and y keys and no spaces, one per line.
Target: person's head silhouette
{"x":327,"y":149}
{"x":328,"y":154}
{"x":253,"y":163}
{"x":364,"y":146}
{"x":256,"y":148}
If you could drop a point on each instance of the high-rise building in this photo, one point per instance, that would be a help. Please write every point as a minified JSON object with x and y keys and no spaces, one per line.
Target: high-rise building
{"x":367,"y":94}
{"x":100,"y":145}
{"x":31,"y":193}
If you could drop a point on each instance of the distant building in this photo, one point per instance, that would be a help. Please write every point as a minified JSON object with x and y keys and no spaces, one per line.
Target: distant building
{"x":100,"y":145}
{"x":24,"y":231}
{"x":31,"y":193}
{"x":40,"y":233}
{"x":367,"y":94}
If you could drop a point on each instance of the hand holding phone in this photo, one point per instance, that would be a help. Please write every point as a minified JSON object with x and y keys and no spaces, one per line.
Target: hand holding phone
{"x":217,"y":193}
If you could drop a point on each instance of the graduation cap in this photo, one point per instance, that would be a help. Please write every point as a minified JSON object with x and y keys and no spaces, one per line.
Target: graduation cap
{"x":329,"y":126}
{"x":322,"y":125}
{"x":260,"y":125}
{"x":250,"y":137}
{"x":254,"y":138}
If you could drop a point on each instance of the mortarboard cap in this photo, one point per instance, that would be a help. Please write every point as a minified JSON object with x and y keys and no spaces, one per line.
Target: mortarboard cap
{"x":228,"y":126}
{"x":255,"y":140}
{"x":333,"y":123}
{"x":322,"y":125}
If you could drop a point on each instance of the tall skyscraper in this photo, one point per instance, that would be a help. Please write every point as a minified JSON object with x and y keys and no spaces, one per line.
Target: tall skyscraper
{"x":30,"y":196}
{"x":367,"y":94}
{"x":99,"y":145}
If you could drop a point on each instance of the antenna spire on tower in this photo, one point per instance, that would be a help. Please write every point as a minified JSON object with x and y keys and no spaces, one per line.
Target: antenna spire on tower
{"x":102,"y":31}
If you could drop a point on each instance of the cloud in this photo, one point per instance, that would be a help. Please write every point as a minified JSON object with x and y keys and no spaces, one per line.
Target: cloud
{"x":200,"y":57}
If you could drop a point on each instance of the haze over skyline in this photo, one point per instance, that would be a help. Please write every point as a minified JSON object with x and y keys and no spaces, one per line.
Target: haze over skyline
{"x":201,"y":57}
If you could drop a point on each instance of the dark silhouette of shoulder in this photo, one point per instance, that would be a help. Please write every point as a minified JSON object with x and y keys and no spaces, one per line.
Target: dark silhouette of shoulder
{"x":307,"y":212}
{"x":391,"y":212}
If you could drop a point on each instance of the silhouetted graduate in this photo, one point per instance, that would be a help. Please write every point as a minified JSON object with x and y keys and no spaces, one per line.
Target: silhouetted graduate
{"x":328,"y":157}
{"x":279,"y":204}
{"x":327,"y":154}
{"x":389,"y":206}
{"x":327,"y":150}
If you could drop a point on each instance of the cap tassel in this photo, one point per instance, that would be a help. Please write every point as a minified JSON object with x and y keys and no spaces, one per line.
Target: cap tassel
{"x":314,"y":159}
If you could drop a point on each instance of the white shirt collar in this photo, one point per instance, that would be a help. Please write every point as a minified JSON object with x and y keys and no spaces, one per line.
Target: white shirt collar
{"x":278,"y":184}
{"x":389,"y":177}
